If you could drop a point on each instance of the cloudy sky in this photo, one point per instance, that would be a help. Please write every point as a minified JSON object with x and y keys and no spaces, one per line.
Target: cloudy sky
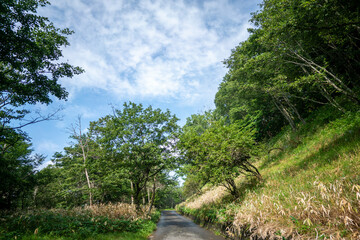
{"x":164,"y":53}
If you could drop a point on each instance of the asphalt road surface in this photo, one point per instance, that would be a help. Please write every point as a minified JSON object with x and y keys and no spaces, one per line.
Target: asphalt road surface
{"x":173,"y":226}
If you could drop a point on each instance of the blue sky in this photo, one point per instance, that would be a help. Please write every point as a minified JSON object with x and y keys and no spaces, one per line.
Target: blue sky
{"x":164,"y":53}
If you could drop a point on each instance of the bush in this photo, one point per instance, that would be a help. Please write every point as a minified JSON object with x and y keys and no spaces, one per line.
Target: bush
{"x":63,"y":224}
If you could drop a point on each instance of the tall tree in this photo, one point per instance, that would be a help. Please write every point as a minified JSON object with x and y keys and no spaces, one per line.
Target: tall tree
{"x":30,"y":67}
{"x":298,"y":57}
{"x":139,"y":140}
{"x":30,"y":50}
{"x":308,"y":35}
{"x":83,"y":144}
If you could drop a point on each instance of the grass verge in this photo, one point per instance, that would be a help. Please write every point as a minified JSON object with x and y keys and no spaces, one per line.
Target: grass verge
{"x":77,"y":224}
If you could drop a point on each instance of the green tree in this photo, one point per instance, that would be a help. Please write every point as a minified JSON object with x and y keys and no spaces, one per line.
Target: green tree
{"x":17,"y":169}
{"x":81,"y":170}
{"x":219,"y":154}
{"x":139,"y":141}
{"x":30,"y":51}
{"x":259,"y":83}
{"x":48,"y":192}
{"x":298,"y":57}
{"x":325,"y":47}
{"x":169,"y":193}
{"x":30,"y":67}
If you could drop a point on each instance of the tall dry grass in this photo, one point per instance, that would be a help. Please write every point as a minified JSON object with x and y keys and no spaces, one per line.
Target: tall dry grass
{"x":211,"y":196}
{"x":109,"y":210}
{"x":328,"y":211}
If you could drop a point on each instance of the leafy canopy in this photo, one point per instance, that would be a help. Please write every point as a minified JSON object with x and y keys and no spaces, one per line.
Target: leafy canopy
{"x":138,"y":140}
{"x":30,"y":53}
{"x":219,"y":154}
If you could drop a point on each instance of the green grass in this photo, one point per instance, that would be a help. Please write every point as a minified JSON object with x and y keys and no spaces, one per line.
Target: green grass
{"x":50,"y":225}
{"x":309,"y":187}
{"x":143,"y":234}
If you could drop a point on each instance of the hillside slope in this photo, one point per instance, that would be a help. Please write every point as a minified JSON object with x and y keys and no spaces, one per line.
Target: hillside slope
{"x":311,"y":186}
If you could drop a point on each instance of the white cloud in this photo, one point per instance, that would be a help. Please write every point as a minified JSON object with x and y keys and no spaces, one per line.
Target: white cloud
{"x":150,"y":48}
{"x":48,"y":147}
{"x":45,"y":164}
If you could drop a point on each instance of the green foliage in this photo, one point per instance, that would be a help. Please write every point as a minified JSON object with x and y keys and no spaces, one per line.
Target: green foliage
{"x":139,"y":142}
{"x":220,"y":153}
{"x":30,"y":67}
{"x":47,"y":192}
{"x":168,"y":195}
{"x":296,"y":59}
{"x":17,"y":171}
{"x":30,"y":48}
{"x":208,"y":214}
{"x":120,"y":158}
{"x":48,"y":225}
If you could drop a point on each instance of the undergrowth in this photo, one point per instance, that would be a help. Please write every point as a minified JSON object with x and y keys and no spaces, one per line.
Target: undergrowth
{"x":311,"y":186}
{"x":97,"y":222}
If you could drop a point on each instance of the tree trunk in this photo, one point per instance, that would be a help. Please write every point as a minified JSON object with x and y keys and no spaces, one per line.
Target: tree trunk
{"x":83,"y":145}
{"x":284,"y":112}
{"x":36,"y":189}
{"x":132,"y":192}
{"x":89,"y":185}
{"x":22,"y":200}
{"x":152,"y":197}
{"x":293,"y":108}
{"x":331,"y":100}
{"x":338,"y":84}
{"x":230,"y":185}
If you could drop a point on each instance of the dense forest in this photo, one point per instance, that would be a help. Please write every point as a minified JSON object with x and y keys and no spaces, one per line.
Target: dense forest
{"x":298,"y":70}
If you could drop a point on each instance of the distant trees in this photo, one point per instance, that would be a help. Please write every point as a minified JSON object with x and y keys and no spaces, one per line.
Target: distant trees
{"x":124,"y":156}
{"x":30,"y":49}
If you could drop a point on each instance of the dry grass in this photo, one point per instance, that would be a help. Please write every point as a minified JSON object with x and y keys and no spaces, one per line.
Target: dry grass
{"x":118,"y":210}
{"x":317,"y":202}
{"x":211,"y":196}
{"x":329,"y":211}
{"x":110,"y":210}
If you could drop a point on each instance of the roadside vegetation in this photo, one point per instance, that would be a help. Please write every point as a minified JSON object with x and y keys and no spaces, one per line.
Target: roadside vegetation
{"x":310,"y":186}
{"x":96,"y":222}
{"x":278,"y":158}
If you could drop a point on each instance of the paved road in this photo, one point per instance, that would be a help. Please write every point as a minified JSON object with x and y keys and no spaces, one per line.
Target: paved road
{"x":173,"y":226}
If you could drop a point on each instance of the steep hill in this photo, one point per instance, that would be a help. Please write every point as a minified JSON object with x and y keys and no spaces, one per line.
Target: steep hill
{"x":310,"y":187}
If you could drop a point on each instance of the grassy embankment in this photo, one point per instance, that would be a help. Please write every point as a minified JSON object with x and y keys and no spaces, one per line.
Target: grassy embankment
{"x":112,"y":221}
{"x":311,"y":186}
